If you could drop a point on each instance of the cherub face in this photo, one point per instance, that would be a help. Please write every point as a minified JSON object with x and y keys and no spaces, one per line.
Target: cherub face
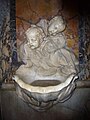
{"x":34,"y":37}
{"x":56,"y":25}
{"x":33,"y":40}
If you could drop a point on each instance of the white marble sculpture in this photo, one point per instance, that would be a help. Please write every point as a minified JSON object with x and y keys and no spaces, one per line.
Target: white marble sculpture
{"x":46,"y":57}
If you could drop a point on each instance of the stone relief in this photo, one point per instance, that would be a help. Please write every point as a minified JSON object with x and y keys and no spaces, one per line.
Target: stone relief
{"x":46,"y":57}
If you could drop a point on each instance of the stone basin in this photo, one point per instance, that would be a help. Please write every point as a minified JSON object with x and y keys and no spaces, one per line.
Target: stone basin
{"x":43,"y":94}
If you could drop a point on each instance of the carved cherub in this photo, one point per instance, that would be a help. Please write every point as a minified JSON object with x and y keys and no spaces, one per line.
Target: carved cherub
{"x":32,"y":53}
{"x":48,"y":55}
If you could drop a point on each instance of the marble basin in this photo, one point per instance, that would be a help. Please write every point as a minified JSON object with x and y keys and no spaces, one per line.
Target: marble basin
{"x":43,"y":94}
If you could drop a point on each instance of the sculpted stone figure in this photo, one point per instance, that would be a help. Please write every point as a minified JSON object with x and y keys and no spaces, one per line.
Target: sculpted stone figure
{"x":46,"y":56}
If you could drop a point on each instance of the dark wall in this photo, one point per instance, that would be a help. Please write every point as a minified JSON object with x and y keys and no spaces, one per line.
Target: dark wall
{"x":4,"y":9}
